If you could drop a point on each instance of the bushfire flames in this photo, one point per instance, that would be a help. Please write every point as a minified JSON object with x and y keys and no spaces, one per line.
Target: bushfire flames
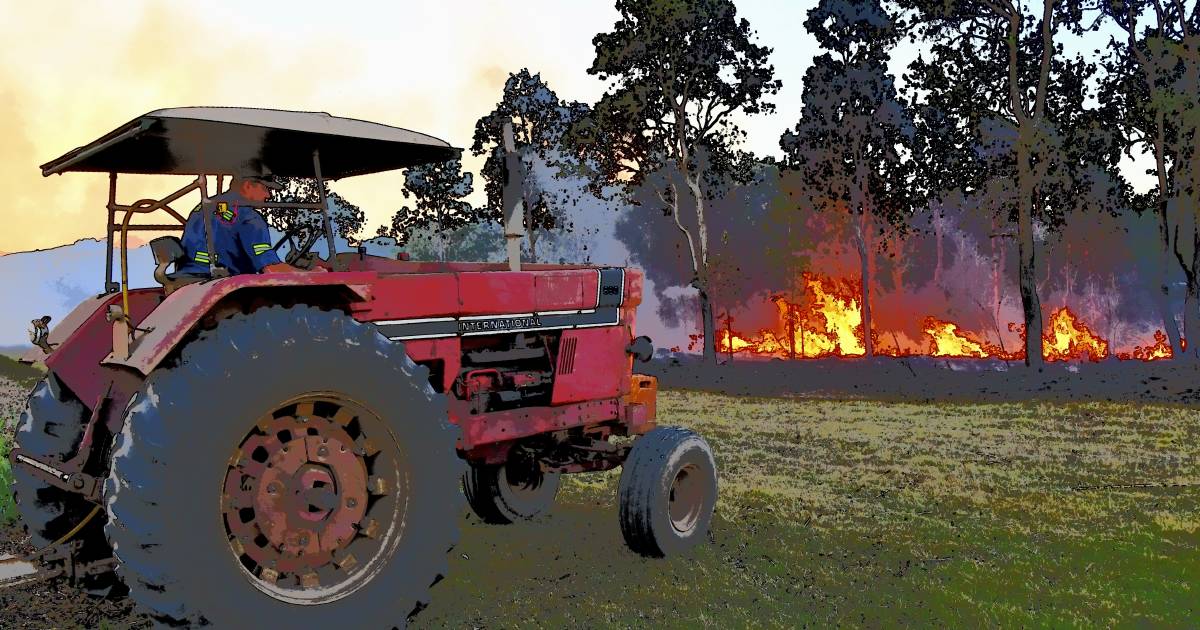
{"x":827,"y":322}
{"x":1070,"y":338}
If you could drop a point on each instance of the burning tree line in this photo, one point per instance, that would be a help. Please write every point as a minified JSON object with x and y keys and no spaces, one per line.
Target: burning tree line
{"x":944,"y":214}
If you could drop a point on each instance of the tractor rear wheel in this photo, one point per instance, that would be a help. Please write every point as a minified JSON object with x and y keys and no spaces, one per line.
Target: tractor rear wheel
{"x":667,"y":492}
{"x":292,"y":469}
{"x":516,"y":490}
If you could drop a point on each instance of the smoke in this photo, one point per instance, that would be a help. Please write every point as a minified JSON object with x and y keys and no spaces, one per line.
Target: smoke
{"x":954,"y":261}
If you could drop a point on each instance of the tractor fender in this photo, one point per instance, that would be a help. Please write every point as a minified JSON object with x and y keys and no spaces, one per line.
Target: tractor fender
{"x":68,"y":325}
{"x":170,"y":323}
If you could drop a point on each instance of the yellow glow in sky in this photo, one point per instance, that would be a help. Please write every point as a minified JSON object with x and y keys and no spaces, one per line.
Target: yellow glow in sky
{"x":72,"y":71}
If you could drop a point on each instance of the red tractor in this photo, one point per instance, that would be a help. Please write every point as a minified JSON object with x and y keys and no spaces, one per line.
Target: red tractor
{"x":284,"y":449}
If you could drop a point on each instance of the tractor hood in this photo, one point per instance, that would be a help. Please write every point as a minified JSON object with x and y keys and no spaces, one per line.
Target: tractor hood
{"x":232,"y":140}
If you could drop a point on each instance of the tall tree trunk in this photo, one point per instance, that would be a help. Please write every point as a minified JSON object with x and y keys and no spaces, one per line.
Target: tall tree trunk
{"x":791,"y":324}
{"x":1192,"y":314}
{"x":865,"y":272}
{"x":790,"y":305}
{"x":530,"y":232}
{"x":1190,"y":199}
{"x":708,"y":326}
{"x":1027,"y":124}
{"x":998,"y":259}
{"x":1163,"y":295}
{"x":864,"y":248}
{"x":1111,"y":303}
{"x":1191,"y":318}
{"x":710,"y":353}
{"x":1191,"y":301}
{"x":1150,"y":73}
{"x":699,"y":256}
{"x":1031,"y":306}
{"x":1186,"y":233}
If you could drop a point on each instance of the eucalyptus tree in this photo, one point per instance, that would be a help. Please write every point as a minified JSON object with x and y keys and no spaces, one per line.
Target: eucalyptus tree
{"x":678,"y":72}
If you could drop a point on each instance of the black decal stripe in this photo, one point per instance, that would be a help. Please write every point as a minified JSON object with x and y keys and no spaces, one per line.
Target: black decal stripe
{"x":500,"y":324}
{"x":419,"y":329}
{"x":612,"y":287}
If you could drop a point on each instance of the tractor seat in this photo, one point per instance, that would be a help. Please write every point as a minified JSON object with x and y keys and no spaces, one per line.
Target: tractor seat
{"x":168,"y":250}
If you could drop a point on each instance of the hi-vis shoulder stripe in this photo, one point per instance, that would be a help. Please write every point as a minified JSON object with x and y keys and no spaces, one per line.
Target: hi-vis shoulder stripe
{"x":609,"y":297}
{"x":261,"y":248}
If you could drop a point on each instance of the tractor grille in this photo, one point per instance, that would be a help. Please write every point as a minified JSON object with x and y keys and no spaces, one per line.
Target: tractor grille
{"x":566,"y":355}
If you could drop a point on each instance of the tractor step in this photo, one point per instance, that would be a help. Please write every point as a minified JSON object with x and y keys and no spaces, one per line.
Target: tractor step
{"x":18,"y":571}
{"x":75,"y":482}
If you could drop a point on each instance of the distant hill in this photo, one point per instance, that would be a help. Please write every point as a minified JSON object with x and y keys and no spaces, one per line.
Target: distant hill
{"x":52,"y":281}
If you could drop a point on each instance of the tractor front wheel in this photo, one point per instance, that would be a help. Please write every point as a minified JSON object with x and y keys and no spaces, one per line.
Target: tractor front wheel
{"x":667,"y":492}
{"x":292,"y":469}
{"x":516,"y":490}
{"x":50,"y":429}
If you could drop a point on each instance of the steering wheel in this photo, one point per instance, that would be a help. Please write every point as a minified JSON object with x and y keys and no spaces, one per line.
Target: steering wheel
{"x":298,"y":256}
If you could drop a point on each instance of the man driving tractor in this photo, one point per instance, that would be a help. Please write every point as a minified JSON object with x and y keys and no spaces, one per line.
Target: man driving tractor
{"x":241,"y":238}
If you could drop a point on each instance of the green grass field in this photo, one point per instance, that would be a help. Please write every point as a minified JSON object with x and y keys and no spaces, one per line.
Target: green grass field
{"x":15,"y":381}
{"x":873,"y":514}
{"x":7,"y":509}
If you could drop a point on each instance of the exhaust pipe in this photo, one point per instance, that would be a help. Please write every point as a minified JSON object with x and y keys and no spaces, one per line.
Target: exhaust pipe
{"x":514,"y":211}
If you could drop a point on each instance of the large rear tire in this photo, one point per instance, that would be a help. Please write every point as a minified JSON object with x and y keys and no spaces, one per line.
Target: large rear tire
{"x":668,"y":492}
{"x":292,"y":469}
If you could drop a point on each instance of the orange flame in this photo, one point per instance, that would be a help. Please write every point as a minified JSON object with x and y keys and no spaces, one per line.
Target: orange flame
{"x":946,"y":341}
{"x":1068,"y":338}
{"x":1161,"y":349}
{"x":827,"y":322}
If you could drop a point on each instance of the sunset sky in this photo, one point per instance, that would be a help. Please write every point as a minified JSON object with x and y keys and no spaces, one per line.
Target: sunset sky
{"x":72,"y":71}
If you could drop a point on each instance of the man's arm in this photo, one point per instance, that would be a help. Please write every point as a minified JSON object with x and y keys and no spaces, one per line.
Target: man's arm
{"x":255,"y":239}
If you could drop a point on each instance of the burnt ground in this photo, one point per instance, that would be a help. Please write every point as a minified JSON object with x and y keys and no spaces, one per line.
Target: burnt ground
{"x":926,"y":379}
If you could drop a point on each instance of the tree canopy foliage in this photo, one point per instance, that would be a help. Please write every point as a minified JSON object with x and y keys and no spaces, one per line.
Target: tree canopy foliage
{"x":676,"y":73}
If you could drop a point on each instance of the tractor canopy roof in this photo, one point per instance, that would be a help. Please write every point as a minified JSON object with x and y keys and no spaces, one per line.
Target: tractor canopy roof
{"x":233,"y":140}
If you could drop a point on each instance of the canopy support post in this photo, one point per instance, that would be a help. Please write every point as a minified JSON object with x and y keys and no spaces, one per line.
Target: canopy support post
{"x":213,"y":269}
{"x":109,"y":285}
{"x":328,"y":224}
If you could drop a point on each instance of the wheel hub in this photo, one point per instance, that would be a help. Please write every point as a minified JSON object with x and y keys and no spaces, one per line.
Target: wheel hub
{"x":686,"y":499}
{"x":303,"y":498}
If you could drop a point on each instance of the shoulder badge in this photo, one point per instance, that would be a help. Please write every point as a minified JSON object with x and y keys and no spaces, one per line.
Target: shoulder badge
{"x":226,"y":212}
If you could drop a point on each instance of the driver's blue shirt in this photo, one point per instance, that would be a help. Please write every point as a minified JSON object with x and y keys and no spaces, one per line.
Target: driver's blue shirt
{"x":240,"y":237}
